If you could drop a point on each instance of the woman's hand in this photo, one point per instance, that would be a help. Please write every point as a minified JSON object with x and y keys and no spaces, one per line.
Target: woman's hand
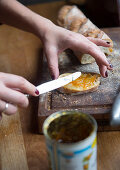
{"x":54,"y":38}
{"x":57,"y":39}
{"x":12,"y":91}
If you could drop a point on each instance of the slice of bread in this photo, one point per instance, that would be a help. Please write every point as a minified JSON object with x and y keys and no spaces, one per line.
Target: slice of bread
{"x":87,"y":82}
{"x":72,"y":18}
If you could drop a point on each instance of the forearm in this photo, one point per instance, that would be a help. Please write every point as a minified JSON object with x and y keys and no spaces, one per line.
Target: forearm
{"x":15,"y":14}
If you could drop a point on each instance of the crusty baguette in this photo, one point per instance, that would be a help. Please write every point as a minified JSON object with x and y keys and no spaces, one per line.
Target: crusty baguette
{"x":72,"y":18}
{"x":87,"y":82}
{"x":62,"y":15}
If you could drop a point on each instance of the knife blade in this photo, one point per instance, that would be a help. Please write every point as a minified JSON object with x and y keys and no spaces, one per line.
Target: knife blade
{"x":115,"y":113}
{"x":54,"y":84}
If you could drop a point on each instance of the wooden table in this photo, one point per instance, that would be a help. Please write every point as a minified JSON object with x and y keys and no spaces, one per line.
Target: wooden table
{"x":21,"y":147}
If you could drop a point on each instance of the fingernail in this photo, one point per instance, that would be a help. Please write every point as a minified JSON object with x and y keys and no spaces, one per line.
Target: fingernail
{"x":36,"y":92}
{"x":108,"y":42}
{"x":106,"y":74}
{"x":111,"y":66}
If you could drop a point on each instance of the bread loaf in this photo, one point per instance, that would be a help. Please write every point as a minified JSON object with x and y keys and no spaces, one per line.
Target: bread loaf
{"x":87,"y":82}
{"x":72,"y":18}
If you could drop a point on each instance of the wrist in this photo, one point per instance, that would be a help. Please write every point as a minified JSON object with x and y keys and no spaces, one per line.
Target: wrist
{"x":42,"y":26}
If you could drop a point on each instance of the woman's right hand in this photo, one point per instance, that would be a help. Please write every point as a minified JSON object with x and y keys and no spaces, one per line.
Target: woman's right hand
{"x":57,"y":39}
{"x":12,"y":91}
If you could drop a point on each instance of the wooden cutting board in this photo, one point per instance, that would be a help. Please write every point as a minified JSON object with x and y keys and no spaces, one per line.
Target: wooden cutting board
{"x":98,"y":103}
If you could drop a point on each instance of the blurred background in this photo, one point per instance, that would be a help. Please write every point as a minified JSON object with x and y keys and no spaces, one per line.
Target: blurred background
{"x":28,"y":2}
{"x":103,"y":13}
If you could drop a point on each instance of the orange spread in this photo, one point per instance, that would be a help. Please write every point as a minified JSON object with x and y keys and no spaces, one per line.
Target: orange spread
{"x":110,"y":49}
{"x":85,"y":80}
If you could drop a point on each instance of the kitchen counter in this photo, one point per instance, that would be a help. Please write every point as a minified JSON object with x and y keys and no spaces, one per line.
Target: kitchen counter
{"x":21,"y":147}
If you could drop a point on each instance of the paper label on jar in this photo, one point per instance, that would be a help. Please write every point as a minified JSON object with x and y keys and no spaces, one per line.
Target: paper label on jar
{"x":83,"y":159}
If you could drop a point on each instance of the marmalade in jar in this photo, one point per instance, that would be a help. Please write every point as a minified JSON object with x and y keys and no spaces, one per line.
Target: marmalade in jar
{"x":70,"y":128}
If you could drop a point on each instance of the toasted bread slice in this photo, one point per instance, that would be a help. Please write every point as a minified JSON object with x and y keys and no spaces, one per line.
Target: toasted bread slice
{"x":87,"y":82}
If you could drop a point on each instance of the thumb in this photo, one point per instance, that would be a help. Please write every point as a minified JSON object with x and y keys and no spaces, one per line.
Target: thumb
{"x":52,"y":60}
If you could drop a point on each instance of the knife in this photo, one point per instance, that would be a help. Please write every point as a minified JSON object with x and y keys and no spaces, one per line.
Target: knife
{"x":115,"y":113}
{"x":54,"y":84}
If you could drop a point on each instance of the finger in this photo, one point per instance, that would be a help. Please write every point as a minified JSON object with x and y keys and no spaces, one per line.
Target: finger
{"x":98,"y":55}
{"x":9,"y":111}
{"x":12,"y":96}
{"x":100,"y":58}
{"x":103,"y":71}
{"x":91,"y":48}
{"x":110,"y":67}
{"x":14,"y":81}
{"x":52,"y":59}
{"x":99,"y":42}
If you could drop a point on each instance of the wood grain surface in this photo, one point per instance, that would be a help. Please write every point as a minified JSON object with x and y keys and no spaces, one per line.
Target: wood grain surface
{"x":12,"y":150}
{"x":23,"y":60}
